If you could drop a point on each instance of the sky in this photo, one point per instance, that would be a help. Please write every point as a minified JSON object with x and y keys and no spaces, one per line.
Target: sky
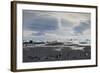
{"x":52,"y":25}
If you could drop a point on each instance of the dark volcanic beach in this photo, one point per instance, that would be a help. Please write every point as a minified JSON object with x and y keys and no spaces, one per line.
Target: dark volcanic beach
{"x":56,"y":53}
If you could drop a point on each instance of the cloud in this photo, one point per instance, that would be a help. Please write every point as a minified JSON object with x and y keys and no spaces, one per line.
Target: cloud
{"x":83,"y":25}
{"x":66,"y":23}
{"x":39,"y":23}
{"x":44,"y":25}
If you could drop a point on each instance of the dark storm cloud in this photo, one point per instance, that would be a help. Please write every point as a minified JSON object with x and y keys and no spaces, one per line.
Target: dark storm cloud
{"x":82,"y":26}
{"x":43,"y":23}
{"x":34,"y":22}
